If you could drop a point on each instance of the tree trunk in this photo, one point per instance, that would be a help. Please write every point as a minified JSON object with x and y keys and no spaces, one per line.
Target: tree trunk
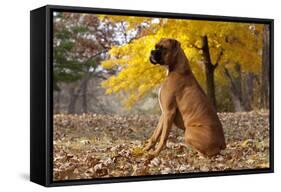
{"x":248,"y":91}
{"x":84,"y":98}
{"x":241,"y":89}
{"x":237,"y":103}
{"x":235,"y":89}
{"x":85,"y":92}
{"x":57,"y":101}
{"x":209,"y":71}
{"x":265,"y":69}
{"x":73,"y":99}
{"x":75,"y":95}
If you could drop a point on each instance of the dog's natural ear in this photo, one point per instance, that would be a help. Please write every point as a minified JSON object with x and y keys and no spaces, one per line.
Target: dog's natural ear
{"x":175,"y":46}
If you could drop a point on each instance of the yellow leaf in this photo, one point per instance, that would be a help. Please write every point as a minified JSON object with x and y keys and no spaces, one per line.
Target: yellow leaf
{"x":264,"y":165}
{"x":137,"y":151}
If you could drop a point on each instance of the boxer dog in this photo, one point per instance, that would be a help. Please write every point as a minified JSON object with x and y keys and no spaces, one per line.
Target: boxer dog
{"x":184,"y":104}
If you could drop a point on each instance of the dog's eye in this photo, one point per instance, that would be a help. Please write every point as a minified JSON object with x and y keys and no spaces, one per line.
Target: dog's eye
{"x":160,"y":47}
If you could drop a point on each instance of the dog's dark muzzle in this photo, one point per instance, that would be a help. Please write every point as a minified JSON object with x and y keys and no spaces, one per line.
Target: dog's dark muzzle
{"x":155,"y":56}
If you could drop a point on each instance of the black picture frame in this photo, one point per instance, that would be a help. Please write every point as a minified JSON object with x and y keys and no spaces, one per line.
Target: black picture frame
{"x":41,"y":102}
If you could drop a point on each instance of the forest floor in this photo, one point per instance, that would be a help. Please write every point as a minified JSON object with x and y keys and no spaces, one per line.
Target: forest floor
{"x":94,"y":146}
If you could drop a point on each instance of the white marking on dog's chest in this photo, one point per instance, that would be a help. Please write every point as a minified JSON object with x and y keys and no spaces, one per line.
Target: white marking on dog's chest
{"x":159,"y":99}
{"x":167,"y":70}
{"x":159,"y":93}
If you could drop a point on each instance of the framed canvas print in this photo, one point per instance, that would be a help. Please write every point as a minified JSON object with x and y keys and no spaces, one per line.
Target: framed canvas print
{"x":123,"y":95}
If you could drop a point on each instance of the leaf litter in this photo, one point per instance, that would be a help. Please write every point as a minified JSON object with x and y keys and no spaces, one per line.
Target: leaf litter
{"x":92,"y":146}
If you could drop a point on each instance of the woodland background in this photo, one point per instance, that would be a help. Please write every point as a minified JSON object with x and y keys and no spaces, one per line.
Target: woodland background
{"x":97,"y":54}
{"x":105,"y":94}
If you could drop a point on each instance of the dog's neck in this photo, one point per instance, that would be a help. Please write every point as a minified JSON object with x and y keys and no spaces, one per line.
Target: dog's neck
{"x":180,"y":65}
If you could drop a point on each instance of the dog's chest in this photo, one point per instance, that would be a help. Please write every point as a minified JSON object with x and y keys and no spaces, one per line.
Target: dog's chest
{"x":159,"y":91}
{"x":159,"y":98}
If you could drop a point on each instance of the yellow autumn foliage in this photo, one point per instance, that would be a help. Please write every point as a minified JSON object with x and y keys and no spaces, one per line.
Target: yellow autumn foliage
{"x":241,"y":43}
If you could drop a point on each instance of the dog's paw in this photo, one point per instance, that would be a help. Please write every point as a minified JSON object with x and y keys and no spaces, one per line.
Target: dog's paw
{"x":153,"y":153}
{"x":148,"y":146}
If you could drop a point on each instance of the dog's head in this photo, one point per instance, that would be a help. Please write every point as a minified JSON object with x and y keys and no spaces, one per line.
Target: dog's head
{"x":165,"y":52}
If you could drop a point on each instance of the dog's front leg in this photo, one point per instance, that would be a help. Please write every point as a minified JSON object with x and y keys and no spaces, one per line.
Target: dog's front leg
{"x":168,"y":119}
{"x":153,"y":139}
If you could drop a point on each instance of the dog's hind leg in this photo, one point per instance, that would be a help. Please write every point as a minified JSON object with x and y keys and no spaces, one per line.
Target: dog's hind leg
{"x":178,"y":121}
{"x":153,"y":139}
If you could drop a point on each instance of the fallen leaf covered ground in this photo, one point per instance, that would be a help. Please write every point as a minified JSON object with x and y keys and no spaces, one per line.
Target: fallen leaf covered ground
{"x":92,"y":146}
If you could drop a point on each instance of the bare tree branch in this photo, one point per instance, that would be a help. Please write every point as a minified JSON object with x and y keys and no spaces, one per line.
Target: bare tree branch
{"x":219,"y":57}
